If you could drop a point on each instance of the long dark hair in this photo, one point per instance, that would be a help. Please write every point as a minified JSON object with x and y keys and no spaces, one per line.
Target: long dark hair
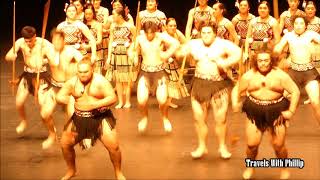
{"x":89,"y":6}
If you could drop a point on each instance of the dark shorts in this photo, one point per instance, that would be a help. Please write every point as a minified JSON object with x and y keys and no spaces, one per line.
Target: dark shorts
{"x":31,"y":78}
{"x":152,"y":79}
{"x":301,"y":78}
{"x":88,"y":124}
{"x":264,"y":113}
{"x":203,"y":90}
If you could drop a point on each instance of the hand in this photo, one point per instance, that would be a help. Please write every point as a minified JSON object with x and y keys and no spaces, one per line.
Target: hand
{"x":221,"y":64}
{"x":287,"y":114}
{"x":245,"y":57}
{"x":136,"y":61}
{"x":107,"y":64}
{"x":164,"y":56}
{"x":170,"y":60}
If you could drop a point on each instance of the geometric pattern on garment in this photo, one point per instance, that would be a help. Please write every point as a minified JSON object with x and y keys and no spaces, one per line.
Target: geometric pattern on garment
{"x":261,"y":30}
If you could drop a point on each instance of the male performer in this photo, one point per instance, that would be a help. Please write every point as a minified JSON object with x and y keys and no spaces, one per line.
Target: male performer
{"x":92,"y":118}
{"x":33,"y":49}
{"x":213,"y":57}
{"x":302,"y":69}
{"x":265,"y":106}
{"x":152,"y":76}
{"x":63,"y":61}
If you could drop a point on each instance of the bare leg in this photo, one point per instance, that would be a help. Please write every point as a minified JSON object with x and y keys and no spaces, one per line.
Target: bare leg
{"x":119,"y":88}
{"x":67,"y":146}
{"x":142,"y":96}
{"x":110,"y":141}
{"x":22,"y":94}
{"x":254,"y":136}
{"x":127,"y":88}
{"x":200,"y":112}
{"x":171,"y":104}
{"x":162,"y":96}
{"x":278,"y":143}
{"x":220,"y":107}
{"x":312,"y":89}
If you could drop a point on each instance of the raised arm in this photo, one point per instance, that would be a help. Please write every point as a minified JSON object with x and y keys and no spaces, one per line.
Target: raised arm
{"x":65,"y":92}
{"x":276,"y":31}
{"x":172,"y":43}
{"x":189,"y":24}
{"x":11,"y":56}
{"x":233,"y":33}
{"x":281,"y":23}
{"x":109,"y":96}
{"x":283,"y":42}
{"x":86,"y":32}
{"x":233,"y":53}
{"x":290,"y":86}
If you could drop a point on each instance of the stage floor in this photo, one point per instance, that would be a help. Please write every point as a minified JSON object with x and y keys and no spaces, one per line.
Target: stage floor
{"x":154,"y":155}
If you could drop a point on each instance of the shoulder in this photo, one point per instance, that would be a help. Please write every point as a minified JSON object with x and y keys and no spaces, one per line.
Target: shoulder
{"x":100,"y":80}
{"x":283,"y":14}
{"x":235,"y":18}
{"x":160,"y":13}
{"x":60,"y":25}
{"x":273,"y":21}
{"x":191,"y":11}
{"x":248,"y":75}
{"x":251,"y":16}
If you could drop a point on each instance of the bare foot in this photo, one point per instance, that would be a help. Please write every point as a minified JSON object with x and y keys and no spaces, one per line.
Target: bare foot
{"x":21,"y":127}
{"x":167,"y":125}
{"x":224,"y":153}
{"x":48,"y":142}
{"x":69,"y":175}
{"x":307,"y":101}
{"x":199,"y":153}
{"x":284,"y":174}
{"x":247,"y":174}
{"x":120,"y":176}
{"x":172,"y":105}
{"x":127,"y":105}
{"x":119,"y":106}
{"x":142,"y":125}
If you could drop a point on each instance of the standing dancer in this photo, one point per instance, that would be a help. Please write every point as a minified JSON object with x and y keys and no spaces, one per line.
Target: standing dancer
{"x":241,"y":21}
{"x":154,"y":15}
{"x":120,"y":70}
{"x":176,"y":89}
{"x":152,"y":77}
{"x":96,"y":30}
{"x":286,"y":24}
{"x":92,"y":119}
{"x":33,"y":50}
{"x":213,"y":57}
{"x":266,"y":107}
{"x":263,"y":32}
{"x":196,"y":15}
{"x":225,"y":29}
{"x":74,"y":31}
{"x":313,"y":25}
{"x":302,"y":69}
{"x":79,"y":5}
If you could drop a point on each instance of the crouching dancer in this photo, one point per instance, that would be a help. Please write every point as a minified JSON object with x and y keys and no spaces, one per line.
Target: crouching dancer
{"x":92,"y":118}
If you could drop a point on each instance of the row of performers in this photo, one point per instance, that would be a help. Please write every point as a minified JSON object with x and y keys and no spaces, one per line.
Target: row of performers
{"x":91,"y":93}
{"x":115,"y":34}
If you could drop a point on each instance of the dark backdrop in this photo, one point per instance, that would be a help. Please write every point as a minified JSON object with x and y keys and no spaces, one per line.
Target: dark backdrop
{"x":30,"y":12}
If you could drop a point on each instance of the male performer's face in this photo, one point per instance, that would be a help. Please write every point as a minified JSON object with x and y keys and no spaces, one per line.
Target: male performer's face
{"x":58,"y":42}
{"x":31,"y":41}
{"x":85,"y":73}
{"x":151,"y":4}
{"x":310,"y":10}
{"x":207,"y":36}
{"x":244,"y":7}
{"x":172,"y":27}
{"x":264,"y":63}
{"x":150,"y":34}
{"x":71,"y":12}
{"x":293,"y":4}
{"x":96,"y":4}
{"x":263,"y":10}
{"x":79,"y":6}
{"x":88,"y":14}
{"x":299,"y":25}
{"x":203,"y":2}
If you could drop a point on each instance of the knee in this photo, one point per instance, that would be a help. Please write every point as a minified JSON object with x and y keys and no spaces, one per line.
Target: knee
{"x":220,"y":118}
{"x":65,"y":141}
{"x":315,"y":103}
{"x":45,"y":113}
{"x":278,"y":147}
{"x":252,"y":149}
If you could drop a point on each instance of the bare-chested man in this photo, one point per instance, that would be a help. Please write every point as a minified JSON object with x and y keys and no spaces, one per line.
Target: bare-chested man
{"x":213,"y":56}
{"x":265,"y":106}
{"x":33,"y":50}
{"x":302,"y":69}
{"x":92,"y":118}
{"x":63,"y":63}
{"x":152,"y":77}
